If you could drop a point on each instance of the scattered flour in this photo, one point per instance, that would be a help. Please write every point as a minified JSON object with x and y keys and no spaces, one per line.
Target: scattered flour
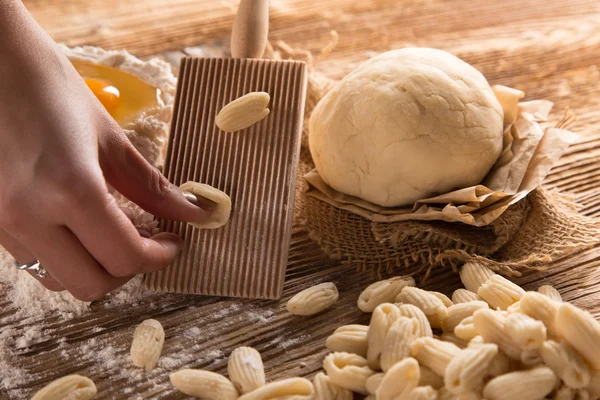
{"x":227,"y":311}
{"x":10,"y":376}
{"x":212,"y":355}
{"x":261,"y":316}
{"x":30,"y":304}
{"x":168,"y":362}
{"x":290,"y":342}
{"x":148,"y":134}
{"x":193,"y":332}
{"x":149,"y":131}
{"x":30,"y":297}
{"x":28,"y":336}
{"x":107,"y":356}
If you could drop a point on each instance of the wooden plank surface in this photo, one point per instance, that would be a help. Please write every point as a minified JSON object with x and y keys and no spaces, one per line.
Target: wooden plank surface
{"x":549,"y":49}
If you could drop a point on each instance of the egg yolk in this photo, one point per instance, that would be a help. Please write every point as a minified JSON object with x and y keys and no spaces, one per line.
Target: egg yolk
{"x":107,"y":94}
{"x":124,"y":95}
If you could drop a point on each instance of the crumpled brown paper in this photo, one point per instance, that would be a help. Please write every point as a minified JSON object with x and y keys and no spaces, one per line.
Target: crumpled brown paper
{"x":530,"y":150}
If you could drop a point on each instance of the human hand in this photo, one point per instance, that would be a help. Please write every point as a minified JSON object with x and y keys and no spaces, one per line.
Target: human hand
{"x":59,"y":150}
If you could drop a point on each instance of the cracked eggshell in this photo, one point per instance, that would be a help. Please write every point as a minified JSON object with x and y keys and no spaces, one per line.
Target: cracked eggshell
{"x":406,"y":125}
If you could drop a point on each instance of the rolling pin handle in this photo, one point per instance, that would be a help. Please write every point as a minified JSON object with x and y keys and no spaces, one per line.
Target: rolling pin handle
{"x":250,"y":29}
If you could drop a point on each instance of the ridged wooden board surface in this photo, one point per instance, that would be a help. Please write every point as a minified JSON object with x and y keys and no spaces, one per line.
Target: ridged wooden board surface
{"x":549,"y":49}
{"x":256,"y":167}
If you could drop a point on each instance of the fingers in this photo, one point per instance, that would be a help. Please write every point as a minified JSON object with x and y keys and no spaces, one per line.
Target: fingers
{"x":128,"y":213}
{"x":144,"y":233}
{"x":129,"y":173}
{"x":24,"y":256}
{"x":48,"y":282}
{"x":71,"y":265}
{"x":15,"y":248}
{"x":116,"y":244}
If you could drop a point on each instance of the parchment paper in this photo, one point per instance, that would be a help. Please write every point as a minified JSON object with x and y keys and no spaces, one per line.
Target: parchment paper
{"x":530,"y":150}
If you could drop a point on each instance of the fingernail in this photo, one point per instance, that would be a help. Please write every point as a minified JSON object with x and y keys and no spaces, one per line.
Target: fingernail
{"x":191,"y":198}
{"x":200,"y":202}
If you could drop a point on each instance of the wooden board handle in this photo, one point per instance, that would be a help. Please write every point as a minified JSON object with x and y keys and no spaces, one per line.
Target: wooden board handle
{"x":250,"y":29}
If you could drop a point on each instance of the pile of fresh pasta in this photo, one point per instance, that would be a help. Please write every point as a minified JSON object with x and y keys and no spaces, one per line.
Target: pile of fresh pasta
{"x":497,"y":342}
{"x":491,"y":341}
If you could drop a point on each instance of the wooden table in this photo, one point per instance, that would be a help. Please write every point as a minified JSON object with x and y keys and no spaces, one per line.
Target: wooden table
{"x":550,"y":49}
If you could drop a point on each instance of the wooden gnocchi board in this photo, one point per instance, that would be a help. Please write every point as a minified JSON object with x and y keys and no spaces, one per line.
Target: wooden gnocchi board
{"x":549,"y":49}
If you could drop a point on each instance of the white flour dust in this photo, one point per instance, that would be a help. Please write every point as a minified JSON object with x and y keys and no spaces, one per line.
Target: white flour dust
{"x":26,"y":307}
{"x":227,"y":311}
{"x":261,"y":317}
{"x":28,"y":303}
{"x":148,"y":133}
{"x":9,"y":375}
{"x":284,"y":344}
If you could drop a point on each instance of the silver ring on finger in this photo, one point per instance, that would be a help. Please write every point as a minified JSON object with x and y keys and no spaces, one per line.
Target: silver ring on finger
{"x":34,"y":267}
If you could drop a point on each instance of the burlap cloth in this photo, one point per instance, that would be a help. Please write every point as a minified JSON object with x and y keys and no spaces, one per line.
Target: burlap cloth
{"x":531,"y":234}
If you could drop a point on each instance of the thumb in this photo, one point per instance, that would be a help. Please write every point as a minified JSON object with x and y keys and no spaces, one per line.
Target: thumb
{"x":129,"y":173}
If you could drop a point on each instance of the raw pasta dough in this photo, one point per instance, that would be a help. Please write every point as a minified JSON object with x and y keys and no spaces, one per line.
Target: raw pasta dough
{"x":218,"y":200}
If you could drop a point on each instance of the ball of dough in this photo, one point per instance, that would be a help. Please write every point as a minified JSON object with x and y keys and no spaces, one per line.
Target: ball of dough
{"x":406,"y":125}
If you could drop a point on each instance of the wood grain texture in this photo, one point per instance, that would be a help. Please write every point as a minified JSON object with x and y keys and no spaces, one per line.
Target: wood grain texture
{"x":547,"y":48}
{"x":256,"y":167}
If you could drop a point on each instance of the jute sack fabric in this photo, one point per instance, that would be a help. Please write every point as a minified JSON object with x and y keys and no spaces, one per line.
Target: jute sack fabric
{"x":530,"y":235}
